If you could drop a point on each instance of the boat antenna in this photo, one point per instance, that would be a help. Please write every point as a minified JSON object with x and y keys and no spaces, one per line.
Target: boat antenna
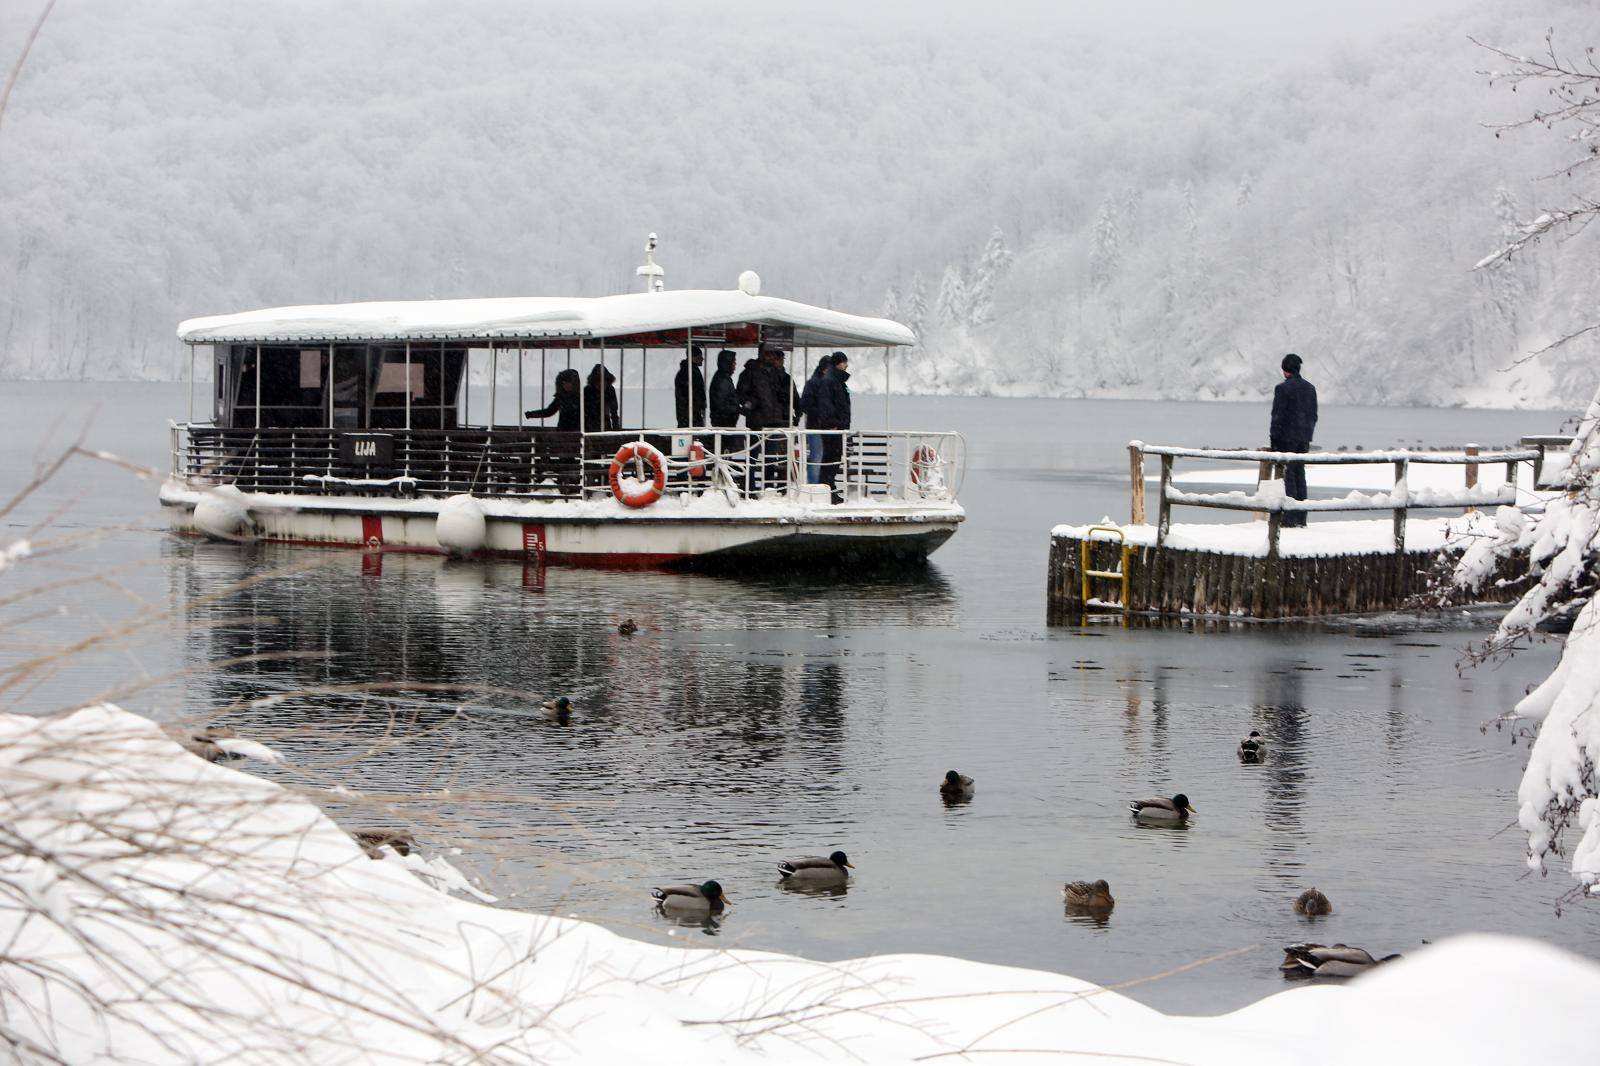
{"x":655,"y":277}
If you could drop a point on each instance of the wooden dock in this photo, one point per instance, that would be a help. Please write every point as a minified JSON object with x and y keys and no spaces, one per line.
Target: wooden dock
{"x":1257,"y":569}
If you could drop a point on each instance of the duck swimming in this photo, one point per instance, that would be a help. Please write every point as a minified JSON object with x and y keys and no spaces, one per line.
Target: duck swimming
{"x":1176,"y":809}
{"x":373,"y":841}
{"x":1252,"y":747}
{"x":1090,"y":895}
{"x":1312,"y":903}
{"x":956,"y":786}
{"x":815,"y":870}
{"x":558,"y":710}
{"x":628,"y":628}
{"x":1317,"y":960}
{"x":704,"y":898}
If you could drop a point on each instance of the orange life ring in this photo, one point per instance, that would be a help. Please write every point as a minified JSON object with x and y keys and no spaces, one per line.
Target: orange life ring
{"x":650,"y":493}
{"x":923,"y":461}
{"x":697,"y":455}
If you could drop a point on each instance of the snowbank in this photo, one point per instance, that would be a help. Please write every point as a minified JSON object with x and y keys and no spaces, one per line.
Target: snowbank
{"x":159,"y":908}
{"x":1320,"y":539}
{"x":1379,"y":477}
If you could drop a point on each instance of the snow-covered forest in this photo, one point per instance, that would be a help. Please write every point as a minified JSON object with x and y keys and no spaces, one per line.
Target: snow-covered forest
{"x":1058,"y":209}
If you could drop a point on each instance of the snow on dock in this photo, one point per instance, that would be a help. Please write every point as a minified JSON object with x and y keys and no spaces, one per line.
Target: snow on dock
{"x":1259,"y":568}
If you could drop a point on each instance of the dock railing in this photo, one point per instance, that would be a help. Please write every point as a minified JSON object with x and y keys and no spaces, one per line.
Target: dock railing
{"x":1270,"y":499}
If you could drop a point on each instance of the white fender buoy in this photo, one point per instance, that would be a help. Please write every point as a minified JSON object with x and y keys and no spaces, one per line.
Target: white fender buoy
{"x":461,"y":527}
{"x":750,"y":283}
{"x":221,"y":514}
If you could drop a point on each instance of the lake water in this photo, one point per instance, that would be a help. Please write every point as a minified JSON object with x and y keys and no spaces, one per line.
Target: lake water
{"x":754,"y":719}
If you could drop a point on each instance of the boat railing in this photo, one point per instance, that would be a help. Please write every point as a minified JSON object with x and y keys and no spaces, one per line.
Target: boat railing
{"x":537,"y":463}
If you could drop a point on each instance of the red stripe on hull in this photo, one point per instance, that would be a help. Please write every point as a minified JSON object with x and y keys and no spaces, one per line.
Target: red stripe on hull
{"x":614,"y":561}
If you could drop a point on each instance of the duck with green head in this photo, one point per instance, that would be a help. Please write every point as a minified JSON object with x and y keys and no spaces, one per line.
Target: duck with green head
{"x":1337,"y":960}
{"x":816,"y":870}
{"x":1176,"y":809}
{"x":956,"y":787}
{"x":693,"y":900}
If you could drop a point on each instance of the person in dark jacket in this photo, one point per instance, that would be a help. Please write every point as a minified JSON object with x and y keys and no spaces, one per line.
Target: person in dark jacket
{"x":725,"y":406}
{"x":771,"y":402}
{"x":689,"y":389}
{"x":560,"y":457}
{"x":808,"y":399}
{"x":1294,"y":421}
{"x":564,"y":404}
{"x":601,"y":411}
{"x":832,"y":412}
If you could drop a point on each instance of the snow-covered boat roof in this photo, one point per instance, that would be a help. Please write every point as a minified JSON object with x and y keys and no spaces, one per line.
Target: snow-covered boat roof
{"x":545,"y":318}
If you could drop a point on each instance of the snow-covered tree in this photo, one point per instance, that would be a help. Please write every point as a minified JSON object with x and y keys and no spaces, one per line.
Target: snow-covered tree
{"x":917,"y":304}
{"x":891,"y":304}
{"x":993,"y":263}
{"x":1560,"y":790}
{"x":1246,"y":189}
{"x":1103,"y":254}
{"x":950,"y":308}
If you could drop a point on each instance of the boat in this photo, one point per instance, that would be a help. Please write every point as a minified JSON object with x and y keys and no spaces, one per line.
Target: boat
{"x":353,"y":425}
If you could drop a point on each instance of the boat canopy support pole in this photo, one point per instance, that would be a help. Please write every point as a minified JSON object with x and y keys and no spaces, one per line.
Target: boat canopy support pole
{"x":886,"y":351}
{"x":258,"y":386}
{"x":191,"y":383}
{"x":494,"y":382}
{"x":408,"y":394}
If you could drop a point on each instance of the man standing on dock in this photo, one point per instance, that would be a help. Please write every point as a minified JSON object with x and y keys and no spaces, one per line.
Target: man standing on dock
{"x":1294,"y":419}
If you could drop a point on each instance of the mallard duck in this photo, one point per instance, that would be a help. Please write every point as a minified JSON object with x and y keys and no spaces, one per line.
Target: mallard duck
{"x":1091,"y":895}
{"x":1317,"y":960}
{"x":706,"y":898}
{"x":815,"y":870}
{"x":203,"y":742}
{"x":1252,"y":747}
{"x":558,"y":710}
{"x":956,"y":786}
{"x":1176,"y":809}
{"x":373,"y":841}
{"x":628,"y":628}
{"x":1312,"y":903}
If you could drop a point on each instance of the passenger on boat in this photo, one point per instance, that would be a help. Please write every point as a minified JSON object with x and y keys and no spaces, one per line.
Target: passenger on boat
{"x":564,"y":404}
{"x":725,"y":405}
{"x":601,"y":411}
{"x":689,"y":390}
{"x":833,"y":413}
{"x":808,"y":408}
{"x":772,"y":403}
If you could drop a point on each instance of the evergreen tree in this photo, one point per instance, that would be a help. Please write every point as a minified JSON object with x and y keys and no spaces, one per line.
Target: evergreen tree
{"x":1107,"y":243}
{"x":891,"y":304}
{"x":1247,"y":189}
{"x":951,"y":305}
{"x":917,"y":304}
{"x":993,"y":262}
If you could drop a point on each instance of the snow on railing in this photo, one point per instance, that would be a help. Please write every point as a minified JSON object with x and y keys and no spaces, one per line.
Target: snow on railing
{"x":1270,"y":501}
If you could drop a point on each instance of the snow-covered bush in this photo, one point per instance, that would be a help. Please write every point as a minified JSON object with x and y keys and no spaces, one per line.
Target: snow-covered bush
{"x":1559,"y":787}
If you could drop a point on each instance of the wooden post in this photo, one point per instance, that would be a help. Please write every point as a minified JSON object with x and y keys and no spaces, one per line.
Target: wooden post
{"x":1538,"y":466}
{"x":1164,"y":505}
{"x":1472,"y":474}
{"x":1263,"y":471}
{"x":1275,"y":516}
{"x":1136,"y":484}
{"x":1400,"y":468}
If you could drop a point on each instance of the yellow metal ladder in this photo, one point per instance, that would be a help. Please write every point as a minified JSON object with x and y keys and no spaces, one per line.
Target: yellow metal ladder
{"x":1118,"y":575}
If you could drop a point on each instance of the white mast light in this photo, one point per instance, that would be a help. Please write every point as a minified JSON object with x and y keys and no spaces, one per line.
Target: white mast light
{"x":655,"y":277}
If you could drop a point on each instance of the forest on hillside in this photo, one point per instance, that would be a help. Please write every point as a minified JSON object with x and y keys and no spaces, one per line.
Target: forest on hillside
{"x":1056,"y":210}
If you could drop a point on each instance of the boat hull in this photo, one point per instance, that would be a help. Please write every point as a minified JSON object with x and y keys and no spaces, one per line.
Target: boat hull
{"x":585,"y":534}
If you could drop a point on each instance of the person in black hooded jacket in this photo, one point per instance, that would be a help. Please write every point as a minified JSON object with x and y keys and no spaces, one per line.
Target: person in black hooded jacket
{"x":831,"y":411}
{"x":564,"y":404}
{"x":689,"y":389}
{"x":601,"y":411}
{"x":725,"y":405}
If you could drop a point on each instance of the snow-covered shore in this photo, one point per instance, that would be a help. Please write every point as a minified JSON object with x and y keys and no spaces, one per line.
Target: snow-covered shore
{"x":159,"y":908}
